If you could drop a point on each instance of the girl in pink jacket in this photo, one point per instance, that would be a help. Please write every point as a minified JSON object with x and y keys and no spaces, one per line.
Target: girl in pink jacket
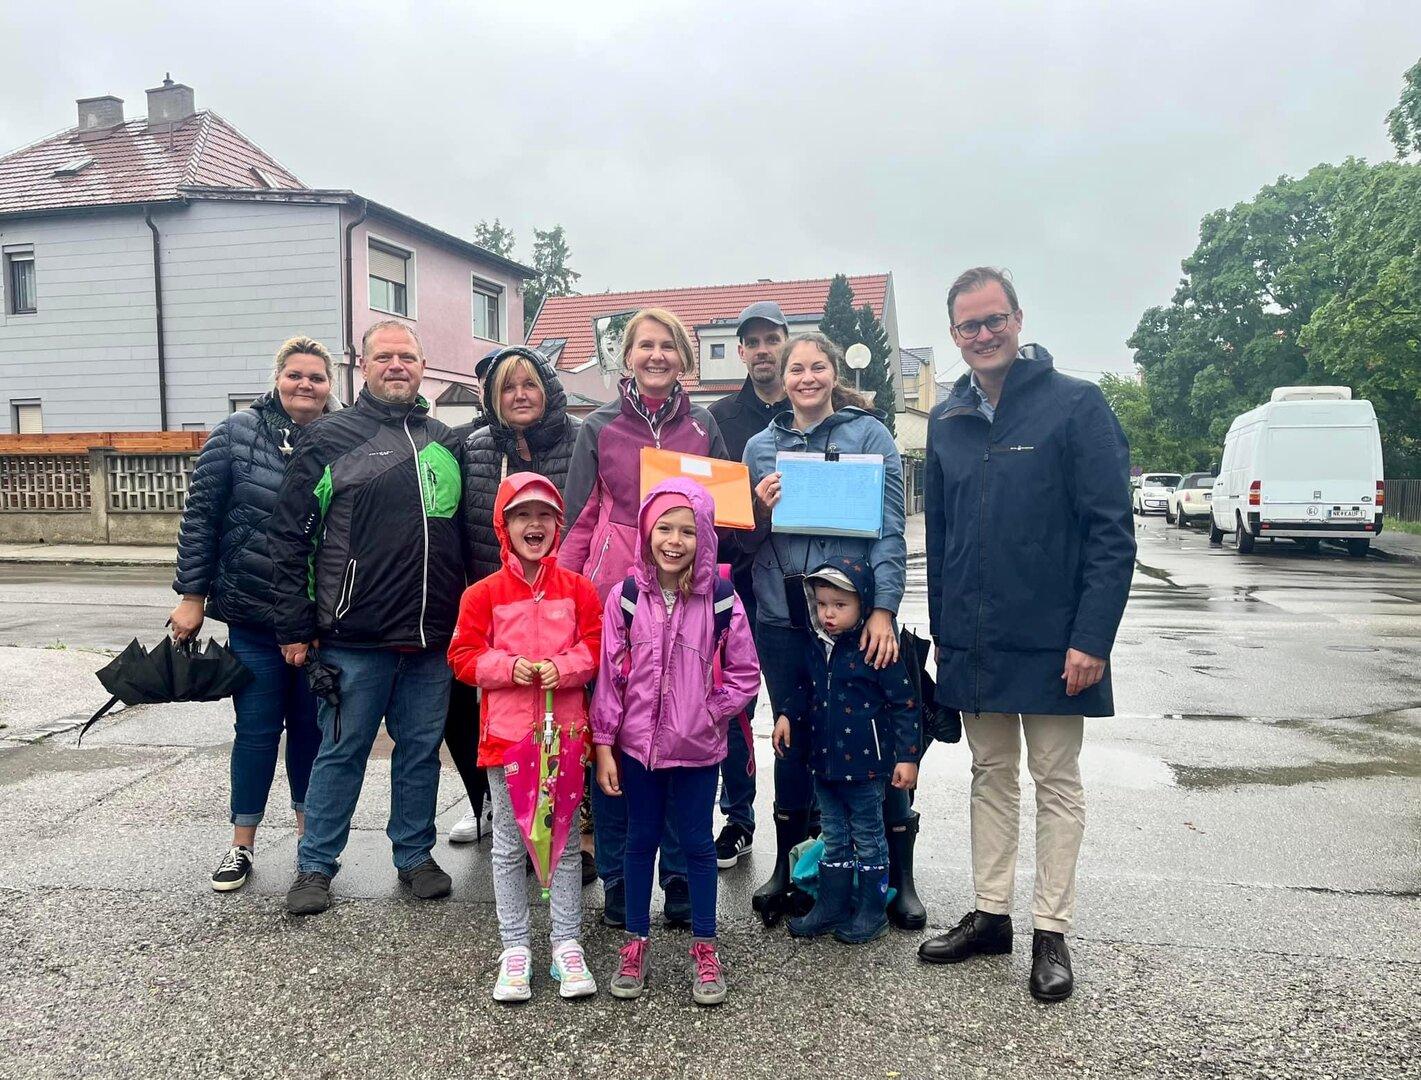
{"x":661,"y":714}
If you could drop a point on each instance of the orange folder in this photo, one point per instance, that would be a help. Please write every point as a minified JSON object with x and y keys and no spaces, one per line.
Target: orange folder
{"x":727,"y":481}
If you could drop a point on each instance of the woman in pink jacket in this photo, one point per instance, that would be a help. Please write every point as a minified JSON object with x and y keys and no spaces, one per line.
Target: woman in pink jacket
{"x":661,"y":712}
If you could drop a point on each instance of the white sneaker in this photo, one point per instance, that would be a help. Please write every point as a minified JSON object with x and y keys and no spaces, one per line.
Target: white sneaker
{"x":468,"y":829}
{"x":570,"y":972}
{"x":514,"y":967}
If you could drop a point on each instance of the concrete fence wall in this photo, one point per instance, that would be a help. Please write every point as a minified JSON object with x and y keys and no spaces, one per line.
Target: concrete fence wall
{"x":105,"y":496}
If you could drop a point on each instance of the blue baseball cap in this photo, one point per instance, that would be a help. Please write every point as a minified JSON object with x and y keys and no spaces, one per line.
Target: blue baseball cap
{"x":767,"y":310}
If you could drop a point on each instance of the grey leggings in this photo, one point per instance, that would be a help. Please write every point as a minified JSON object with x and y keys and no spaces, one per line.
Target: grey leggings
{"x":510,"y":881}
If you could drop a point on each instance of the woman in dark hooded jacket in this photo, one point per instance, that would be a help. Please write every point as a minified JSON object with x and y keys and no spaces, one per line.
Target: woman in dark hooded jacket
{"x":525,"y":428}
{"x":224,"y":570}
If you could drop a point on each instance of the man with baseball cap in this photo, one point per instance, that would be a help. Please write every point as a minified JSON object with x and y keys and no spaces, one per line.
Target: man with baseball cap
{"x":762,"y":331}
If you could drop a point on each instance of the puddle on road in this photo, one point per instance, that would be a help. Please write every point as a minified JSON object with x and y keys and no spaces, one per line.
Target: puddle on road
{"x":1206,"y":777}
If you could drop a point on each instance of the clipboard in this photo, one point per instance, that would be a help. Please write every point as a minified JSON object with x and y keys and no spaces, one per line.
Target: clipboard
{"x":728,"y":482}
{"x":829,"y":495}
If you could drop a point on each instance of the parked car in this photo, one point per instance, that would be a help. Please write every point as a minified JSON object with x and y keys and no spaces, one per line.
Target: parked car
{"x":1304,"y":466}
{"x":1152,"y":493}
{"x":1189,"y":501}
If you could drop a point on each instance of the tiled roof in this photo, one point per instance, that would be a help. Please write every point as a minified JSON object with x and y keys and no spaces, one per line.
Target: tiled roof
{"x":135,"y":164}
{"x":910,"y":360}
{"x":570,"y":317}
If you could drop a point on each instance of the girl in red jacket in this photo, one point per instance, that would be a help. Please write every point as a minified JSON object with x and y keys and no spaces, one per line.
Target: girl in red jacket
{"x":530,"y":627}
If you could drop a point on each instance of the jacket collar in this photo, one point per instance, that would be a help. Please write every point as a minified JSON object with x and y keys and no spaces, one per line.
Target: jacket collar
{"x":678,"y":404}
{"x":389,"y":411}
{"x":1032,"y":363}
{"x":785,"y":421}
{"x":748,"y":399}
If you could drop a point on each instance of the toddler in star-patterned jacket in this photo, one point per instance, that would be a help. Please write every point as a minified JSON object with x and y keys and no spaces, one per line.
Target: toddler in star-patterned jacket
{"x":864,"y":729}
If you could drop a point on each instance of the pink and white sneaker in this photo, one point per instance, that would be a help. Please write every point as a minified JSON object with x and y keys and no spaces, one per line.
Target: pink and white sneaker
{"x":570,"y":972}
{"x":709,"y":985}
{"x":633,"y":969}
{"x":514,"y":966}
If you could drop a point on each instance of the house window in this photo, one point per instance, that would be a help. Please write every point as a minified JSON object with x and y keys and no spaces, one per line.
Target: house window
{"x":241,"y":401}
{"x":26,"y":418}
{"x":487,"y":324}
{"x":718,"y":351}
{"x":20,"y":282}
{"x":389,"y":279}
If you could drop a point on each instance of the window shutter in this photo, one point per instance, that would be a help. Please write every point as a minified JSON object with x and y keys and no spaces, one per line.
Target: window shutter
{"x":386,"y":264}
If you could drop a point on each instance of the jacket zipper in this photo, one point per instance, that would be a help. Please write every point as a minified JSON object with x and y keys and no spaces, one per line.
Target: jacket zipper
{"x":606,"y":543}
{"x":424,"y":521}
{"x":981,"y":588}
{"x":877,"y":747}
{"x":347,"y":595}
{"x":660,"y":685}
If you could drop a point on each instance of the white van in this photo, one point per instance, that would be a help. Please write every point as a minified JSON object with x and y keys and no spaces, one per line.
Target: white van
{"x":1307,"y":466}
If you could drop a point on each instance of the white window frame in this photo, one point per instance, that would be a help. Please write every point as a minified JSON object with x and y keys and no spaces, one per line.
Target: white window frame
{"x":411,"y":275}
{"x":488,"y":290}
{"x":717,"y":345}
{"x":238,"y":402}
{"x":18,"y":253}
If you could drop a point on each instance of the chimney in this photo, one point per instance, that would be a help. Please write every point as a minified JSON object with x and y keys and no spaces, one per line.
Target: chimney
{"x":169,"y":104}
{"x":99,"y":115}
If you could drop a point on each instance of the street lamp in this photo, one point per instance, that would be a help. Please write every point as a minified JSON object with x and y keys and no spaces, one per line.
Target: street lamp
{"x":857,"y":357}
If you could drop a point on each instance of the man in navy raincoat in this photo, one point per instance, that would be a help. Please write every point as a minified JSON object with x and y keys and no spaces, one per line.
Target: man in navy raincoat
{"x":1030,"y":551}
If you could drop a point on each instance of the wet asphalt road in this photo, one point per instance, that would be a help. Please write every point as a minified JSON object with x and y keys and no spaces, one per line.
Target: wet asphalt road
{"x":1248,"y":899}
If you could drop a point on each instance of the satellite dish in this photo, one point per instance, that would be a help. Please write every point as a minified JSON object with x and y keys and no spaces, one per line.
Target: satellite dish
{"x":857,"y":356}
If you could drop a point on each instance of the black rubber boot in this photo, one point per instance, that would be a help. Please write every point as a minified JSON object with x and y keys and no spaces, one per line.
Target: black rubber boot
{"x":772,"y":899}
{"x":905,"y":910}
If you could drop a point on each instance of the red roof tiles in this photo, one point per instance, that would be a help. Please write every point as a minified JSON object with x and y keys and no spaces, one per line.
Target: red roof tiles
{"x":135,"y":164}
{"x":571,"y":317}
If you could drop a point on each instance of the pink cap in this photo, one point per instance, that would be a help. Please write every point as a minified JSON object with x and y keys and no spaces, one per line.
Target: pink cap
{"x":660,"y":504}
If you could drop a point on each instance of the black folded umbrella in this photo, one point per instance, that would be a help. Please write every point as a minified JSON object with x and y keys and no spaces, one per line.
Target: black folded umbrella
{"x":939,"y":721}
{"x":171,"y":671}
{"x":323,"y":678}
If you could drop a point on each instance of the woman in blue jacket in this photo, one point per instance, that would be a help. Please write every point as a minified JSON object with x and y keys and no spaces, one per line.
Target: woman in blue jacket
{"x":827,"y":417}
{"x":224,"y":570}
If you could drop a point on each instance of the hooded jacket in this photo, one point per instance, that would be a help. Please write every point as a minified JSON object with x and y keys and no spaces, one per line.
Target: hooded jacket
{"x":604,"y":483}
{"x":1031,"y":544}
{"x":491,"y":453}
{"x":860,"y":721}
{"x":222,"y":545}
{"x":665,"y":711}
{"x":556,"y":617}
{"x":366,"y":539}
{"x":850,"y":430}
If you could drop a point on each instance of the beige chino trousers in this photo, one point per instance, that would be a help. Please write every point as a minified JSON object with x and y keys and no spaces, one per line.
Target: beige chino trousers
{"x":1053,"y":750}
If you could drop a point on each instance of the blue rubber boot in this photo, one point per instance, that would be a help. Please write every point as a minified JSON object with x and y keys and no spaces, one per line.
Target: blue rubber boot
{"x":869,"y":920}
{"x":831,"y":910}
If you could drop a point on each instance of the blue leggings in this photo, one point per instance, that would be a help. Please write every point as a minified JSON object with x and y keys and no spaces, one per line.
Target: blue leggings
{"x":689,"y":795}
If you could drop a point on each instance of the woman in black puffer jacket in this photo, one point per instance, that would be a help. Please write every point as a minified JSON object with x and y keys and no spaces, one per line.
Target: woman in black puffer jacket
{"x":224,"y":570}
{"x":525,"y":428}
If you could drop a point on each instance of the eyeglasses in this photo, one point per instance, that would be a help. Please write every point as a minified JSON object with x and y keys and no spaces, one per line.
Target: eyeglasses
{"x":970,"y":328}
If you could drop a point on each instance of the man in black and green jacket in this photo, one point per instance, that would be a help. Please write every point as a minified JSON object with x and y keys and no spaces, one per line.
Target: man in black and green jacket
{"x":368,"y":559}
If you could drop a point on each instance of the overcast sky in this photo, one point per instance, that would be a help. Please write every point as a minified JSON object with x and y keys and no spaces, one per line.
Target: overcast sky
{"x":1077,"y":144}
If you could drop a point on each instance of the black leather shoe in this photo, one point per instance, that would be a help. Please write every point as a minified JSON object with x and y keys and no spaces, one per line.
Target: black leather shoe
{"x":978,"y":934}
{"x":1051,"y":976}
{"x":427,"y":881}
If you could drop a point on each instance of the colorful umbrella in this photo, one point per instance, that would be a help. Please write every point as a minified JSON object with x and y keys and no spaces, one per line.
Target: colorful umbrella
{"x":545,"y":778}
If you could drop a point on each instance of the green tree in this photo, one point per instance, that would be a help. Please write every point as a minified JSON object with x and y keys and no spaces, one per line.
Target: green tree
{"x":553,"y":277}
{"x":1403,"y":123}
{"x":876,"y":380}
{"x":840,"y":323}
{"x":1153,"y":446}
{"x":495,"y":237}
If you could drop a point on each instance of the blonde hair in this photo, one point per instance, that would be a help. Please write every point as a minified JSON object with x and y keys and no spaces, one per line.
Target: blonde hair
{"x":503,"y":372}
{"x":679,"y":336}
{"x":298,"y":346}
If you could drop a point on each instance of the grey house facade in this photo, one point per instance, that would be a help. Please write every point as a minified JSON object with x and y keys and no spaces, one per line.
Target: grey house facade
{"x":151,"y":267}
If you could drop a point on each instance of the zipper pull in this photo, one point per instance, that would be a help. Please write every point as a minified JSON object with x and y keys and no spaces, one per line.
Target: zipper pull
{"x":986,"y":455}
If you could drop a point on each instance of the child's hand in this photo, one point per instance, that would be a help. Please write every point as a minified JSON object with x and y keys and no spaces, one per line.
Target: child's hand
{"x":608,"y":778}
{"x":524,"y":671}
{"x":905,"y":776}
{"x":550,"y":675}
{"x":780,"y":738}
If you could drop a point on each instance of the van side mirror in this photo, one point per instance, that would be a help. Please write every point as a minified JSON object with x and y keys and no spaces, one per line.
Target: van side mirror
{"x":1214,"y":467}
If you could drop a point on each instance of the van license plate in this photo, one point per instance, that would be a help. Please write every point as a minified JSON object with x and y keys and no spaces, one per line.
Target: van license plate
{"x":1344,"y":513}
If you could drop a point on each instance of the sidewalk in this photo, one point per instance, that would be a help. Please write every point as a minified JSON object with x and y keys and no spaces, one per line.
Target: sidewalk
{"x":90,"y":554}
{"x":1394,"y":543}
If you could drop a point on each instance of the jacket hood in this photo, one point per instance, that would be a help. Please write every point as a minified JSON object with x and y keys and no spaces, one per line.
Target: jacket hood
{"x":548,"y":429}
{"x":857,"y":571}
{"x":704,"y":509}
{"x":1031,"y":363}
{"x":516,"y":483}
{"x":785,"y":420}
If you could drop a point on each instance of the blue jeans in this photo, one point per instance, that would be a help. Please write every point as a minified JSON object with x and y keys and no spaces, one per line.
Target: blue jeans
{"x":652,"y":796}
{"x":410,"y":692}
{"x":785,"y":667}
{"x":852,"y":817}
{"x":609,"y":837}
{"x":276,"y":699}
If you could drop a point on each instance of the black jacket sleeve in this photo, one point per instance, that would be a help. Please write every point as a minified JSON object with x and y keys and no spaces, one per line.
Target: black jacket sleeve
{"x":203,"y":514}
{"x":935,"y":523}
{"x":292,"y":537}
